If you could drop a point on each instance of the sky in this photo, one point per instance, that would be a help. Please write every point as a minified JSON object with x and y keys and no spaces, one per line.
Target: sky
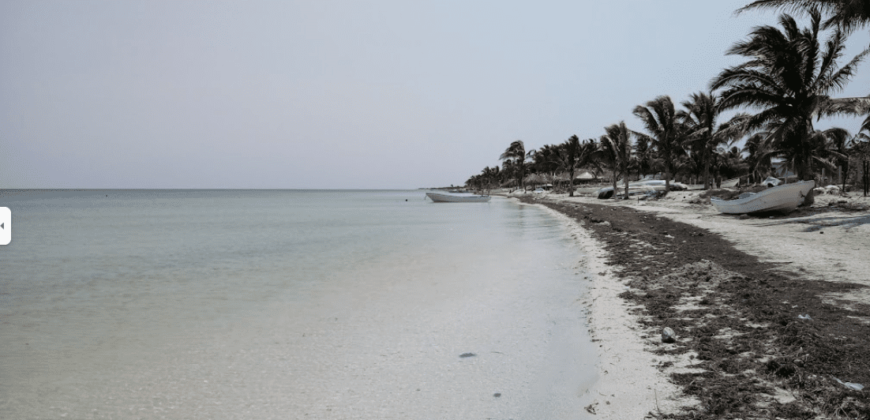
{"x":326,"y":94}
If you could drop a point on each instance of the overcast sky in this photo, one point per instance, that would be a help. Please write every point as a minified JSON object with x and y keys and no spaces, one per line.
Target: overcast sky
{"x":336,"y":94}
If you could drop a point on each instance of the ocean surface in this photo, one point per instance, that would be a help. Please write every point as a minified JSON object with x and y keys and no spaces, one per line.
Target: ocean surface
{"x":288,"y":305}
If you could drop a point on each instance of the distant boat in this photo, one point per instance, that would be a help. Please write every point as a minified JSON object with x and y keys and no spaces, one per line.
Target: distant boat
{"x":728,"y":183}
{"x":782,"y":198}
{"x":439,"y":197}
{"x":640,"y":187}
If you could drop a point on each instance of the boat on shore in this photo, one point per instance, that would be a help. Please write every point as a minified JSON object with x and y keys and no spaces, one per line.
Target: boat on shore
{"x":728,"y":183}
{"x":640,"y":187}
{"x":440,"y":197}
{"x":781,"y":198}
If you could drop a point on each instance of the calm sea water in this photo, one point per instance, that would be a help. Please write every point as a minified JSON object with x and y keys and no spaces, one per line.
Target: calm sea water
{"x":288,"y":304}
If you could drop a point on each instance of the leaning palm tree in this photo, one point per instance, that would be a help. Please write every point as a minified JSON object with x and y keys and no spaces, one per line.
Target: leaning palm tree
{"x":789,"y":78}
{"x":845,"y":14}
{"x":572,"y":155}
{"x":703,"y":133}
{"x":614,"y":151}
{"x":516,"y":154}
{"x":665,"y":131}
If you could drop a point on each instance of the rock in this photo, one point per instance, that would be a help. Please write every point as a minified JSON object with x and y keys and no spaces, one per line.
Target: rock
{"x":464,"y":355}
{"x":668,"y":335}
{"x":591,"y":407}
{"x":744,"y":216}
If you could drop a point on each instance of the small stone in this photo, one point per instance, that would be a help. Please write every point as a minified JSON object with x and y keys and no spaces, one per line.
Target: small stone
{"x":497,"y":394}
{"x":464,"y":355}
{"x":668,"y":335}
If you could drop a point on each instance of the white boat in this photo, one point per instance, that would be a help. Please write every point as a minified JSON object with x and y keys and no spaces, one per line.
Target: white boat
{"x":638,"y":187}
{"x":728,"y":183}
{"x":439,"y":197}
{"x":782,"y":198}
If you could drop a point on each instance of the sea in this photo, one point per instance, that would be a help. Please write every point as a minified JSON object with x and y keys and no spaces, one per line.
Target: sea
{"x":289,"y":304}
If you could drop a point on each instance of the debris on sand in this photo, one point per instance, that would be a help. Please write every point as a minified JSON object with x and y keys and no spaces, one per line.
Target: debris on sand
{"x":850,"y":385}
{"x":591,"y":407}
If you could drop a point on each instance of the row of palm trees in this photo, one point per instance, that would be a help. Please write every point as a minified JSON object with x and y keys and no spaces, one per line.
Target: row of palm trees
{"x":787,"y":78}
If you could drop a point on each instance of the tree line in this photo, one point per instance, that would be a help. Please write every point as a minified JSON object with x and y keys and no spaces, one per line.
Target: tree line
{"x":787,"y":79}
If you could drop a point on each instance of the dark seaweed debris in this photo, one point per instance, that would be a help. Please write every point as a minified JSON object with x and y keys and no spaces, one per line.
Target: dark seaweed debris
{"x":739,"y":320}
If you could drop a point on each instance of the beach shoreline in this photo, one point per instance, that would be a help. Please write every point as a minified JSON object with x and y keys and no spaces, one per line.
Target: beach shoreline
{"x":629,"y":386}
{"x":656,"y":257}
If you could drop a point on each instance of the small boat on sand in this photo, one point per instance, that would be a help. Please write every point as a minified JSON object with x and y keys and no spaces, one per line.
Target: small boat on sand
{"x":782,"y":198}
{"x":640,"y":187}
{"x":439,"y":197}
{"x":728,"y":183}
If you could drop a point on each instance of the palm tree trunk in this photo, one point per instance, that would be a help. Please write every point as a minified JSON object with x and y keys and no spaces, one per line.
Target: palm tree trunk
{"x":615,"y":187}
{"x":571,"y":183}
{"x":809,"y":175}
{"x":667,"y":178}
{"x":844,"y":174}
{"x":706,"y":170}
{"x":626,"y":184}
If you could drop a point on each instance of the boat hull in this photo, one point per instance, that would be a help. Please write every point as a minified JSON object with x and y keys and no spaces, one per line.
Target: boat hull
{"x":453,"y":198}
{"x":782,"y":198}
{"x":639,"y":187}
{"x":728,"y":183}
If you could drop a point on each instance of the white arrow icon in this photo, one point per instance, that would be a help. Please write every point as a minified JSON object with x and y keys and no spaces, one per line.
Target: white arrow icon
{"x":5,"y":226}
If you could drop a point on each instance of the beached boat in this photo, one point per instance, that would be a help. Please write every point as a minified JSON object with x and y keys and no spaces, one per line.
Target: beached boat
{"x":439,"y":197}
{"x":640,"y":187}
{"x":782,"y":198}
{"x":728,"y":183}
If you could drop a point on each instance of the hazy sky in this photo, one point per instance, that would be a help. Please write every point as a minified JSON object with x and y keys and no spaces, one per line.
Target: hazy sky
{"x":336,"y":94}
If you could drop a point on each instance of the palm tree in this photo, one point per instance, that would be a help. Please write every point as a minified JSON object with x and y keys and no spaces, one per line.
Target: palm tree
{"x":572,"y":155}
{"x":837,"y":142}
{"x":758,"y":159}
{"x":729,"y":162}
{"x":615,"y":152}
{"x":702,"y":132}
{"x":644,"y":157}
{"x":789,"y":78}
{"x":516,"y":154}
{"x":545,"y":160}
{"x":844,"y":14}
{"x":665,"y":131}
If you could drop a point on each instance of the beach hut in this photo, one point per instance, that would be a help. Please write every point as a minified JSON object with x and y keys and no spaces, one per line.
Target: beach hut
{"x":586,"y":176}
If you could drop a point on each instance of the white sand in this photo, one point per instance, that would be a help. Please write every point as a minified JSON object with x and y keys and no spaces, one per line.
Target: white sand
{"x":630,"y":387}
{"x":816,"y":243}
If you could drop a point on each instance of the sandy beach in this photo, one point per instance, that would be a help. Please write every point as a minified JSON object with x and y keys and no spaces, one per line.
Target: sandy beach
{"x":732,"y":288}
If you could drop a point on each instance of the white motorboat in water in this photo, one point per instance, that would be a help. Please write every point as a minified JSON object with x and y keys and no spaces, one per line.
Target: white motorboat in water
{"x":440,"y":197}
{"x":782,"y":198}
